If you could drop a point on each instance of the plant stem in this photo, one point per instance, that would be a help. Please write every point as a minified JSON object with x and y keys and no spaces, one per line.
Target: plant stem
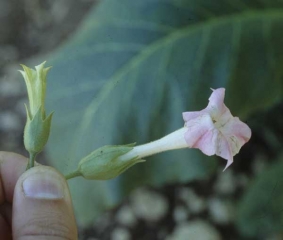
{"x":73,"y":174}
{"x":31,"y":160}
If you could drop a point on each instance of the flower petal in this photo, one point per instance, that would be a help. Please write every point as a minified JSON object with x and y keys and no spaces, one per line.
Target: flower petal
{"x":207,"y":143}
{"x":202,"y":134}
{"x":216,"y":105}
{"x":187,"y":116}
{"x":237,"y":134}
{"x":223,"y":149}
{"x":229,"y":162}
{"x":214,"y":130}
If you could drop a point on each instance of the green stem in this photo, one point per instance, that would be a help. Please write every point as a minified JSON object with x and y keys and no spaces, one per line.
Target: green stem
{"x":31,"y":160}
{"x":73,"y":175}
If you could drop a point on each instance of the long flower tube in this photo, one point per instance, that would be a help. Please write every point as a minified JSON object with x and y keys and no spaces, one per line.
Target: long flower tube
{"x":213,"y":130}
{"x":174,"y":140}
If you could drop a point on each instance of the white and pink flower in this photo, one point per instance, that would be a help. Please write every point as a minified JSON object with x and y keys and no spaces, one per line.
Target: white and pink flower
{"x":213,"y":130}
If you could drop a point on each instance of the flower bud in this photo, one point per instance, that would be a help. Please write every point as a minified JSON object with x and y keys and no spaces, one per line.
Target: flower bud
{"x":37,"y":127}
{"x":104,"y":162}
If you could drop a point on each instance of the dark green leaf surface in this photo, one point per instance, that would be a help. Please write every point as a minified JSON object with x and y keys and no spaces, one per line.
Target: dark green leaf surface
{"x":135,"y":66}
{"x":261,"y":209}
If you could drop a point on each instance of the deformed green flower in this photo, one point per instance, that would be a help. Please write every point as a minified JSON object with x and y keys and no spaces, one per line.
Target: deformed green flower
{"x":37,"y":127}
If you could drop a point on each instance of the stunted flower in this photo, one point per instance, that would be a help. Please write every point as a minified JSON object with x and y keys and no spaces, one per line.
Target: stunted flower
{"x":214,"y":130}
{"x":37,"y":127}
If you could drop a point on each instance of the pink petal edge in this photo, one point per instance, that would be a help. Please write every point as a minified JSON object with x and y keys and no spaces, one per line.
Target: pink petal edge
{"x":214,"y":130}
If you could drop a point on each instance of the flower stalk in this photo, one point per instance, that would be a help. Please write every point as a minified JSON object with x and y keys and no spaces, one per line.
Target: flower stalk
{"x":31,"y":160}
{"x":74,"y":174}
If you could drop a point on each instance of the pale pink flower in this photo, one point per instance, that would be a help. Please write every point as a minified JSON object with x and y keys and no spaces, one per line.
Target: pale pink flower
{"x":214,"y":130}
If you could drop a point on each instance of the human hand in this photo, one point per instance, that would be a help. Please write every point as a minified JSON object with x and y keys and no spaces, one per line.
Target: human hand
{"x":35,"y":204}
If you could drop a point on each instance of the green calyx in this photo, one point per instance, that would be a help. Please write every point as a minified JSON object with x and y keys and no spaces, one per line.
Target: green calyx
{"x":37,"y":131}
{"x":104,"y":163}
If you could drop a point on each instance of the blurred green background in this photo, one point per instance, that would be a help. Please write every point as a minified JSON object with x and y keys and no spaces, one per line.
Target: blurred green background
{"x":124,"y":71}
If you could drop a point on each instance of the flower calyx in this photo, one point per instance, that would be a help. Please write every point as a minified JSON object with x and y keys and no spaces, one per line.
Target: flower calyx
{"x":104,"y":163}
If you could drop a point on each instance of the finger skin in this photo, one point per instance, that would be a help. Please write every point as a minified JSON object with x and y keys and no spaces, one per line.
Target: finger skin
{"x":11,"y":167}
{"x":40,"y":218}
{"x":33,"y":219}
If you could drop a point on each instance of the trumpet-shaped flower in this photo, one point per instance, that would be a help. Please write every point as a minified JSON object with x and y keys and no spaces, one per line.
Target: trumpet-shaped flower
{"x":214,"y":130}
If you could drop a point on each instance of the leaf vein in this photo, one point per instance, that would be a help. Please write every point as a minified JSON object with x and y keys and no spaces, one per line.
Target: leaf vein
{"x":201,"y":51}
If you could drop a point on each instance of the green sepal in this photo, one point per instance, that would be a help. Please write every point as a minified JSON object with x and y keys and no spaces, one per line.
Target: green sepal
{"x":104,"y":162}
{"x":37,"y":130}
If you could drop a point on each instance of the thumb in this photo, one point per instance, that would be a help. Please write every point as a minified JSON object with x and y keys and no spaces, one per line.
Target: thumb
{"x":42,"y":206}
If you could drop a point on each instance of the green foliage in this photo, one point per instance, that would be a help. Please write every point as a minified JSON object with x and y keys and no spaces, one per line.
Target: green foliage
{"x":133,"y":68}
{"x":261,"y":209}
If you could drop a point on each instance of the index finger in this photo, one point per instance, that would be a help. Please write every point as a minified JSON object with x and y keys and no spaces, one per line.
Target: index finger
{"x":12,"y":166}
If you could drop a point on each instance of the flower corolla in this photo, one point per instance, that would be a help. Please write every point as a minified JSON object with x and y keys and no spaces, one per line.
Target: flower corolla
{"x":214,"y":130}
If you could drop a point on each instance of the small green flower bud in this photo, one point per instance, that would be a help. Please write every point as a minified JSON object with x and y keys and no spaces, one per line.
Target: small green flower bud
{"x":37,"y":127}
{"x":104,"y":163}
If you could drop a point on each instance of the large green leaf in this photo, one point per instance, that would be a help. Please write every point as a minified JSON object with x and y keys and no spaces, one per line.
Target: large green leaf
{"x":261,"y":210}
{"x":135,"y":66}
